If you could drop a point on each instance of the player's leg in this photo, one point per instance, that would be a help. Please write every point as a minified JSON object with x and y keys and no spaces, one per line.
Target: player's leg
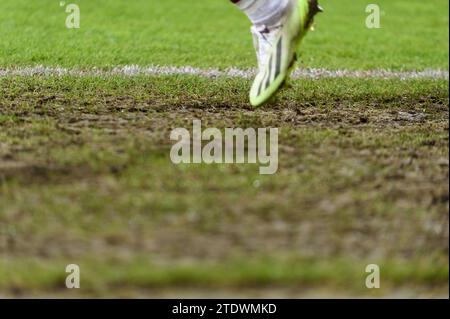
{"x":278,"y":28}
{"x":263,"y":14}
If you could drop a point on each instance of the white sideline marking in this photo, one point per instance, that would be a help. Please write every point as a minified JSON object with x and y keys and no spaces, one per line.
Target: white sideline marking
{"x":134,"y":70}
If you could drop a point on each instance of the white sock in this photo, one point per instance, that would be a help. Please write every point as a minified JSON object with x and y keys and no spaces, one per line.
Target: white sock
{"x":263,"y":12}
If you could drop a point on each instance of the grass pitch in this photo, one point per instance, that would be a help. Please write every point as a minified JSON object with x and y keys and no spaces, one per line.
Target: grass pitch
{"x":85,"y":174}
{"x":212,"y":33}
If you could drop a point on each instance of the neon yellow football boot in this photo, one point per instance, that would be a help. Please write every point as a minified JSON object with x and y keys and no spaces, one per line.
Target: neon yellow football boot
{"x":276,"y":48}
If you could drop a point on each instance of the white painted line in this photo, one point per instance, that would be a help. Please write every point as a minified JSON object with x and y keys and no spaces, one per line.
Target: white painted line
{"x":134,"y":70}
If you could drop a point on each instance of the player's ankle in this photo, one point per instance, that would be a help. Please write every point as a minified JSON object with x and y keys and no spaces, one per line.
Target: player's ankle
{"x":263,"y":12}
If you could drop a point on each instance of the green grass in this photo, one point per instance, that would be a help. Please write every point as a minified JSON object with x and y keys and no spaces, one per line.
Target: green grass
{"x":85,"y":177}
{"x":212,"y":33}
{"x":284,"y":271}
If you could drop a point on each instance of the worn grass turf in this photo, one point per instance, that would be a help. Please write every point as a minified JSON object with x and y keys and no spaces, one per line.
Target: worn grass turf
{"x":85,"y":177}
{"x":212,"y":33}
